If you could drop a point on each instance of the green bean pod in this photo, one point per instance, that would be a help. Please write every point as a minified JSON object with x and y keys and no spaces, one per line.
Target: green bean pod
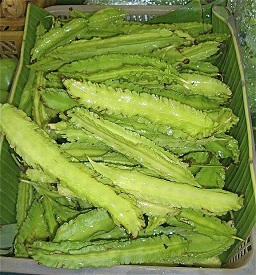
{"x":85,"y":226}
{"x":106,"y":62}
{"x":57,"y":36}
{"x":142,"y":150}
{"x":49,"y":157}
{"x":57,"y":99}
{"x":172,"y":194}
{"x":110,"y":253}
{"x":33,"y":228}
{"x":169,"y":112}
{"x":140,"y":42}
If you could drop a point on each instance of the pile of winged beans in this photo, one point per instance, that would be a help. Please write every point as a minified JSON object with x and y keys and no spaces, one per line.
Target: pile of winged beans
{"x":122,"y":145}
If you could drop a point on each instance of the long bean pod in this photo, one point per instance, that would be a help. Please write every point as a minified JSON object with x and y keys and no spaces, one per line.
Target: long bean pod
{"x":57,"y":36}
{"x":56,"y":165}
{"x":141,"y":250}
{"x":144,"y":151}
{"x":172,"y":194}
{"x":170,"y":112}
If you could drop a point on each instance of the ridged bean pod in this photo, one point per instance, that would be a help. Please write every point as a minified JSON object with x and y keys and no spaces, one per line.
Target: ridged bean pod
{"x":56,"y":165}
{"x":170,"y":112}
